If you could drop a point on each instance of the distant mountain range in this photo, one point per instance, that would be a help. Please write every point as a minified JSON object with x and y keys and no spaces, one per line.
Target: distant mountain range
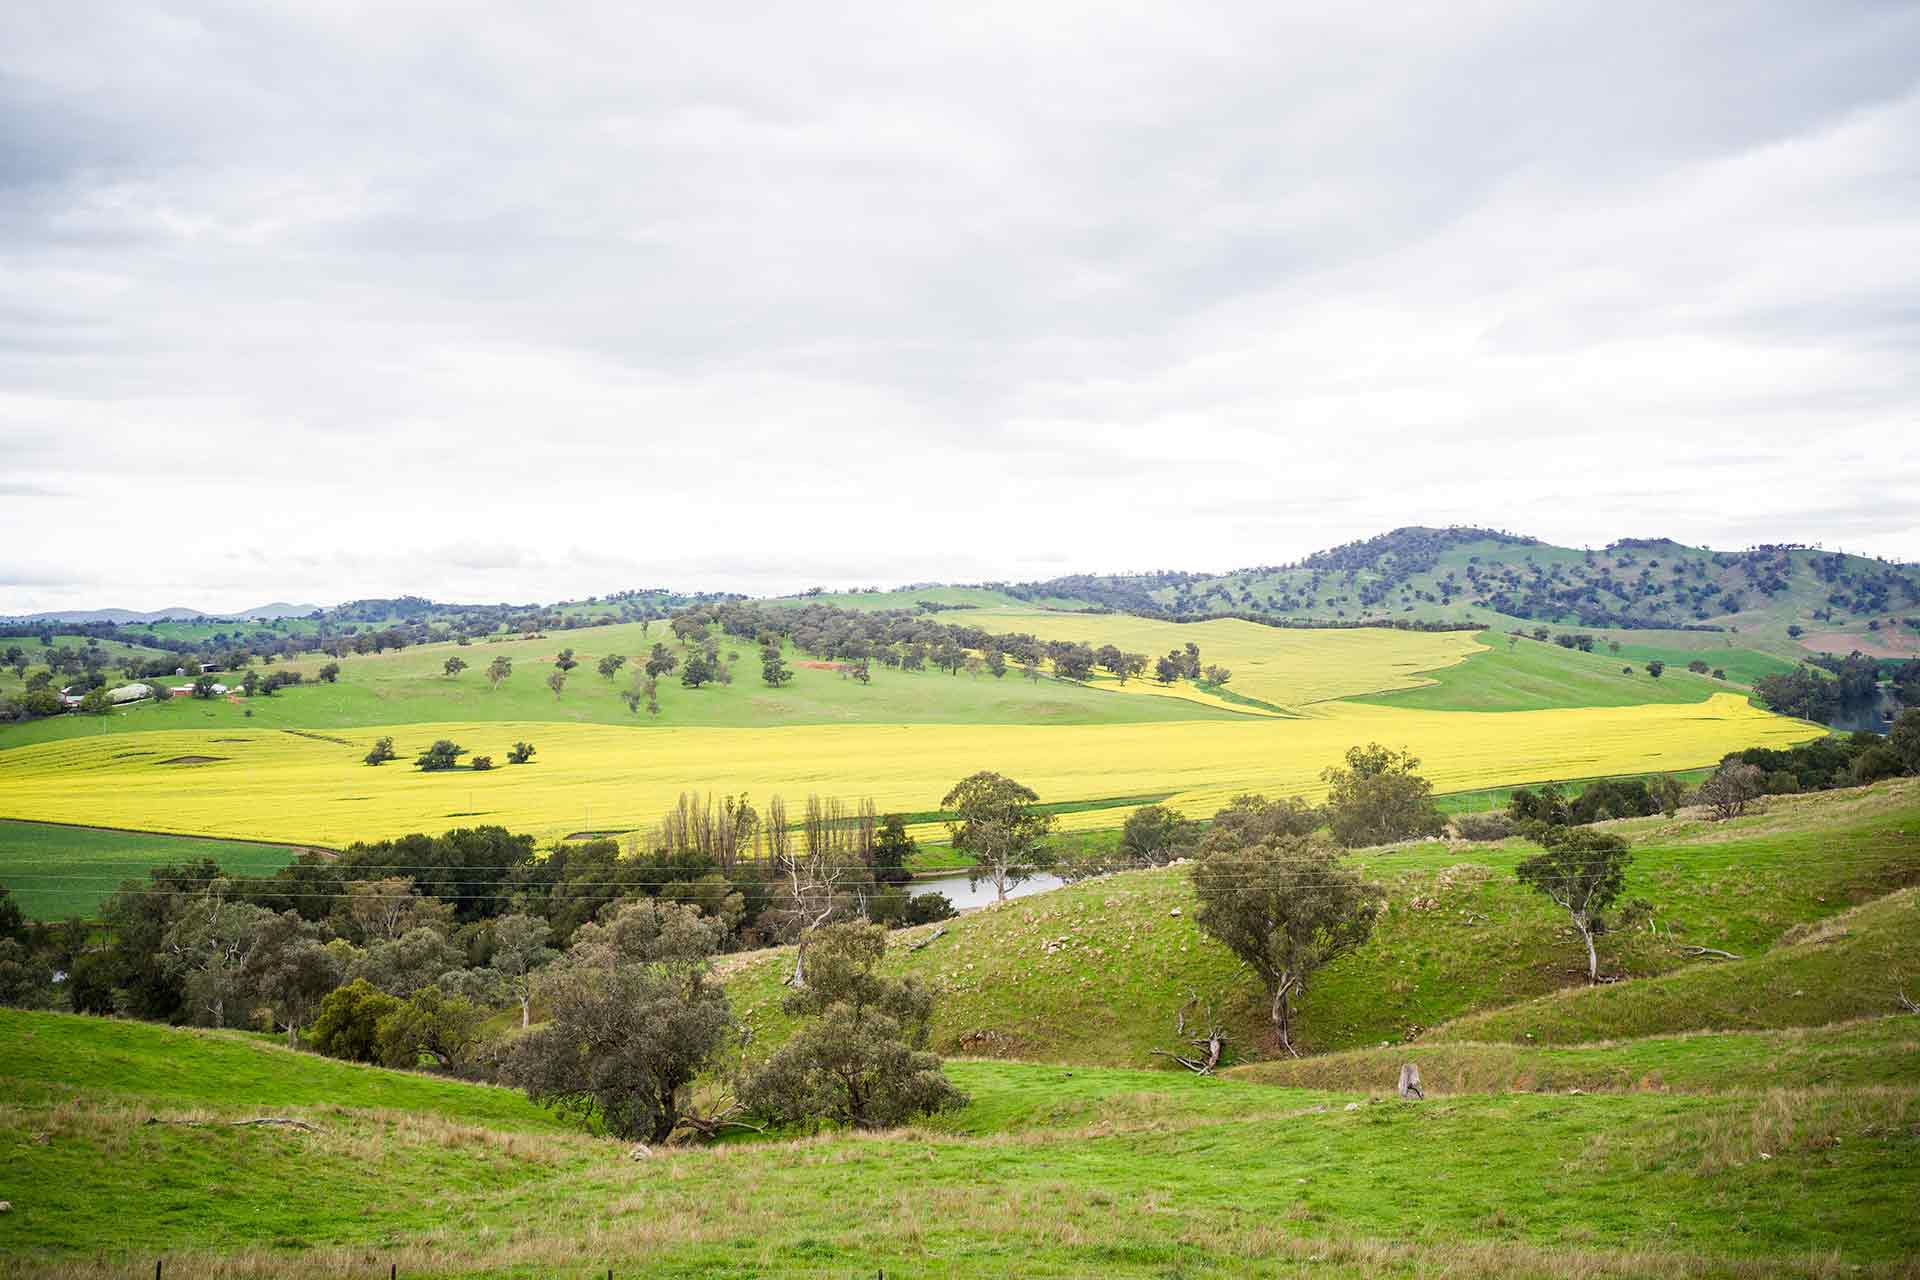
{"x":259,"y":613}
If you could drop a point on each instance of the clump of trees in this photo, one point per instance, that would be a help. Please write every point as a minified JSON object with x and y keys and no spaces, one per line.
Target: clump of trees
{"x":443,"y":754}
{"x":633,"y":1018}
{"x":860,"y":1056}
{"x":1377,"y":797}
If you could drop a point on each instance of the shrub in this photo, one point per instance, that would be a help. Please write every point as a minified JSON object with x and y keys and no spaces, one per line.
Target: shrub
{"x":1483,"y":826}
{"x":926,"y":908}
{"x":1876,"y":763}
{"x":520,"y":753}
{"x":381,"y":753}
{"x":349,"y":1022}
{"x":482,"y":763}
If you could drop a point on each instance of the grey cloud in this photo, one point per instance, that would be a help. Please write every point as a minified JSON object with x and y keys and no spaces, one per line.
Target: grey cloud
{"x":908,"y":291}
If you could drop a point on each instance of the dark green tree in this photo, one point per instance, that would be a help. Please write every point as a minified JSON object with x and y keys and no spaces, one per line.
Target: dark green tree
{"x":1378,"y":798}
{"x":1285,"y":906}
{"x":443,"y":754}
{"x":999,"y":824}
{"x":859,"y":1058}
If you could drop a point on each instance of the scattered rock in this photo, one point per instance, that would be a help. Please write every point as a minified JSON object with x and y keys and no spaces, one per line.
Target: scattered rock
{"x":640,"y":1151}
{"x":1352,"y":1106}
{"x":1174,"y":912}
{"x":6,"y":1206}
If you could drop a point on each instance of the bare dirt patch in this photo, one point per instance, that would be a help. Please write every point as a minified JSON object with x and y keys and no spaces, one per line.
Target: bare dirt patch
{"x":193,"y":760}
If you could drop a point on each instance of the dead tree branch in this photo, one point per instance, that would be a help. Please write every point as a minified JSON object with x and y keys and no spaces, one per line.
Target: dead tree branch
{"x":1204,"y":1050}
{"x":1715,"y":952}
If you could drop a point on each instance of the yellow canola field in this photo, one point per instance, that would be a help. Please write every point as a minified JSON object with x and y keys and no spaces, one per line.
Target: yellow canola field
{"x":277,"y":785}
{"x":1288,"y":667}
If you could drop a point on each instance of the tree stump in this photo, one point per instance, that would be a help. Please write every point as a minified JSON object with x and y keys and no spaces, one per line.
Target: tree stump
{"x":1410,"y":1081}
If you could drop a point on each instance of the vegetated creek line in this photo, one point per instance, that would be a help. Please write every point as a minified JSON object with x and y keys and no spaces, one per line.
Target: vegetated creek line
{"x":981,"y":894}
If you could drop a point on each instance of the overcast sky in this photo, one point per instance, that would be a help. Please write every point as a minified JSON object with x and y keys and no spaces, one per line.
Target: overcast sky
{"x":515,"y":301}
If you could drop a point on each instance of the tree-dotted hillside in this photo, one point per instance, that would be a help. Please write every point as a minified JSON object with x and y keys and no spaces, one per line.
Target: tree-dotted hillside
{"x":1469,"y":574}
{"x":1101,"y":972}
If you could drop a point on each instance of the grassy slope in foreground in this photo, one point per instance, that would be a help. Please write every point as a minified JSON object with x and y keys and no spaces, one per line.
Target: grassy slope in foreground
{"x":1096,"y":973}
{"x":57,"y":1052}
{"x":57,"y":871}
{"x":310,"y":787}
{"x":1048,"y":1172}
{"x":1871,"y":1052}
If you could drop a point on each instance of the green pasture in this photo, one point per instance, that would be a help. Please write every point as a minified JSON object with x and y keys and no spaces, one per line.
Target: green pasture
{"x":411,"y":685}
{"x":58,"y":871}
{"x":1097,"y":972}
{"x":1047,"y":1172}
{"x":1529,"y":675}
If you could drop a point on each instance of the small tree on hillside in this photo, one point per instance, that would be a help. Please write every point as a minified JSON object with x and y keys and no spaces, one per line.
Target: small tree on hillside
{"x":329,"y":673}
{"x":557,"y":681}
{"x":520,"y":753}
{"x":1378,"y":798}
{"x":773,"y":667}
{"x":1583,"y":870}
{"x":499,"y":669}
{"x":998,"y":823}
{"x":566,"y":660}
{"x":455,"y":665}
{"x":1285,"y":906}
{"x":860,"y":1057}
{"x":1154,"y":835}
{"x":1655,"y":667}
{"x":609,"y":666}
{"x":1731,"y":788}
{"x":382,"y":751}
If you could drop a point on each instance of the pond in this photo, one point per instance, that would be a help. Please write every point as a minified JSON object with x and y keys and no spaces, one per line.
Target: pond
{"x":1862,"y":714}
{"x":962,"y":897}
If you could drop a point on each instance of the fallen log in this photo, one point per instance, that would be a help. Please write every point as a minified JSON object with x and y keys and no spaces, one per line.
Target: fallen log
{"x":280,"y":1121}
{"x":935,"y":936}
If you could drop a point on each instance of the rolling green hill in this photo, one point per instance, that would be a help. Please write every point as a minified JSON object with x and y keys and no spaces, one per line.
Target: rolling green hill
{"x":1853,"y":965}
{"x":411,"y":686}
{"x":1096,"y":973}
{"x":1755,"y":1153}
{"x":1049,"y":1171}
